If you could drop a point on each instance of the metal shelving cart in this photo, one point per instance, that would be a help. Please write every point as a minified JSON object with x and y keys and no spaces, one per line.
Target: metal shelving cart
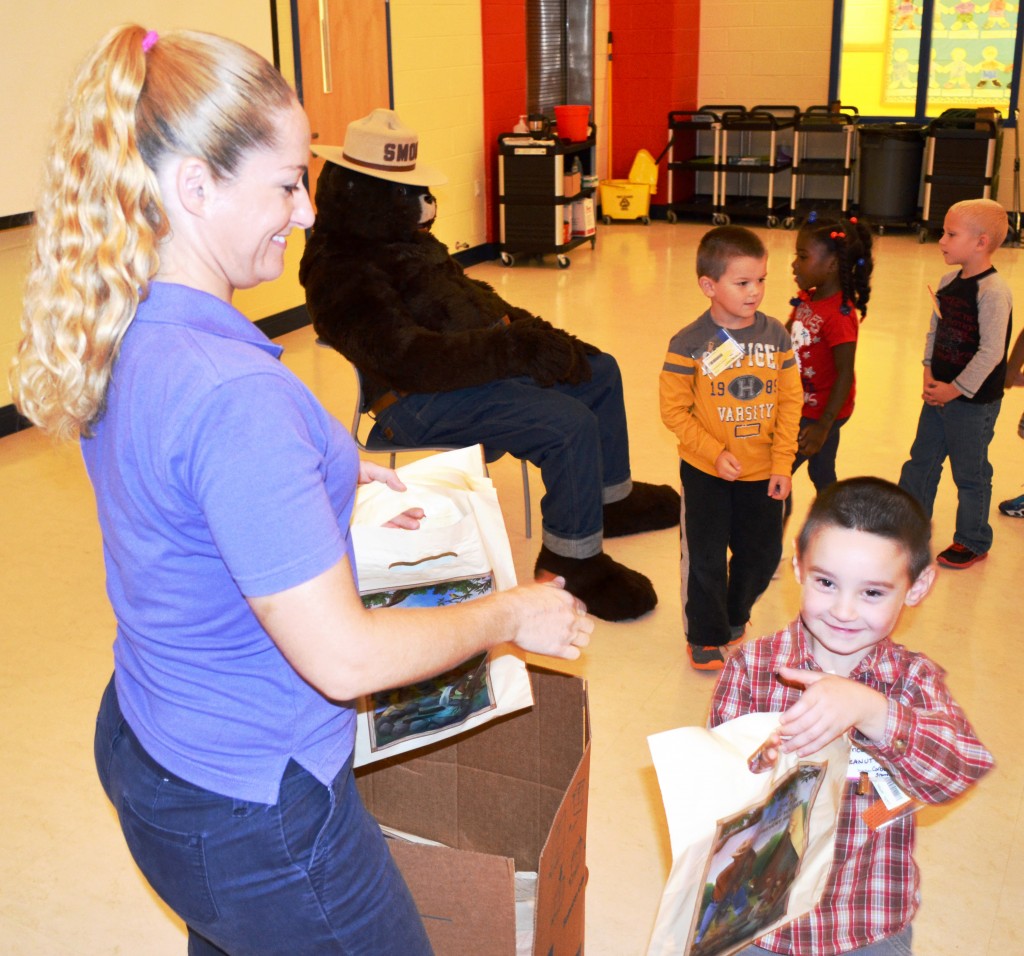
{"x":694,"y":160}
{"x":961,"y":155}
{"x":816,"y":156}
{"x":755,"y":143}
{"x":532,"y":202}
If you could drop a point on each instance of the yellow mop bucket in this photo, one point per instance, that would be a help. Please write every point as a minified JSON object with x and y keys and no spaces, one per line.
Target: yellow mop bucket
{"x":631,"y":198}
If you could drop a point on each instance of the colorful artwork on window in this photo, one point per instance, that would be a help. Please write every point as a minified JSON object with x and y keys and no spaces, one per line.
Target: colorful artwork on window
{"x":971,"y":59}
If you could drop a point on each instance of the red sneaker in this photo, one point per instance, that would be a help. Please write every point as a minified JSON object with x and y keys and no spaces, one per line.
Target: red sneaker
{"x":957,"y":557}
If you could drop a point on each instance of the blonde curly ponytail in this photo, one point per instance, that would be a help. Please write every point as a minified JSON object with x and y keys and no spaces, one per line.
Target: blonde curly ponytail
{"x":100,"y":221}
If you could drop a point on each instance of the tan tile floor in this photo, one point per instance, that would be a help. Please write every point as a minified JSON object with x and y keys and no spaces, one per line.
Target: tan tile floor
{"x":69,"y":886}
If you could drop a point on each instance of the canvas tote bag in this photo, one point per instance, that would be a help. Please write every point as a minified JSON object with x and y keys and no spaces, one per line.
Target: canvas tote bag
{"x":459,"y":553}
{"x":751,"y":851}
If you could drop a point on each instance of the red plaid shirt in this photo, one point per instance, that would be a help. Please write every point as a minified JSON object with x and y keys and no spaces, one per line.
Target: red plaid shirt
{"x":873,"y":889}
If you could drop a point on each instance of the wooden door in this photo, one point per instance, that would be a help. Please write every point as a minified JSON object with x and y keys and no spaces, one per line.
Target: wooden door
{"x":354,"y":32}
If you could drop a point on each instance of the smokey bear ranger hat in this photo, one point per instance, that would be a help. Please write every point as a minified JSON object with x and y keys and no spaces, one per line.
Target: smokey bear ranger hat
{"x":381,"y":145}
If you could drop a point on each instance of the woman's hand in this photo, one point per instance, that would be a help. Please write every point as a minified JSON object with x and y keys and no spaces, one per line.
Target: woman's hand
{"x":550,"y":620}
{"x":371,"y":471}
{"x":408,"y":520}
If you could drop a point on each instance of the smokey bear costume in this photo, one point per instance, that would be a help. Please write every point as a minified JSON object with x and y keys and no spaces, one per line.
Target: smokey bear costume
{"x":446,"y":361}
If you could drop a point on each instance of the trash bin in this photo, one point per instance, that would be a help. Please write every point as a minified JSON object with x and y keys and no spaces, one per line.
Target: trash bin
{"x":890,"y":171}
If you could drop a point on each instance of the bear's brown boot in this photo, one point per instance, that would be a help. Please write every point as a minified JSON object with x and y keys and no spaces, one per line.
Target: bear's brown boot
{"x":610,"y":590}
{"x":646,"y":508}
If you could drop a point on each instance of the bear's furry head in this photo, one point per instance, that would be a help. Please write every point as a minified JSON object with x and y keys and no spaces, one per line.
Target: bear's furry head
{"x":353,"y":204}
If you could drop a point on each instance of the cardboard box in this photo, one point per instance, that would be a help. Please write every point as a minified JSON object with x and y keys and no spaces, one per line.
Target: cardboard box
{"x":510,"y":796}
{"x":572,"y":183}
{"x":584,"y":222}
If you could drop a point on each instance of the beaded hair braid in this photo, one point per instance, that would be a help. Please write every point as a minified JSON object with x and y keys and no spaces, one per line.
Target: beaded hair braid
{"x":849,"y":240}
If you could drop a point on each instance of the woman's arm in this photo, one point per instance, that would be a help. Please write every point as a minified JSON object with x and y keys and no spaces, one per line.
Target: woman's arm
{"x":345,"y":651}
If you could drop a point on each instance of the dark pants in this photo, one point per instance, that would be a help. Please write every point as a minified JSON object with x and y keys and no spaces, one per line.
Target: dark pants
{"x":821,"y":466}
{"x":309,"y":876}
{"x":721,"y":516}
{"x":575,"y":434}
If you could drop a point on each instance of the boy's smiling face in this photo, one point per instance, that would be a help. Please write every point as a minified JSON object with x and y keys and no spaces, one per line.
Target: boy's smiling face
{"x":736,"y":295}
{"x":854,"y":585}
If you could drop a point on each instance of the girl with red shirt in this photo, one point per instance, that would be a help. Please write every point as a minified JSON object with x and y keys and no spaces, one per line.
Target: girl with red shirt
{"x":832,"y":267}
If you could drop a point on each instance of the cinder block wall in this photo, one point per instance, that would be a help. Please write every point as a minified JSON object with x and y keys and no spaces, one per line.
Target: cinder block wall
{"x":764,"y":51}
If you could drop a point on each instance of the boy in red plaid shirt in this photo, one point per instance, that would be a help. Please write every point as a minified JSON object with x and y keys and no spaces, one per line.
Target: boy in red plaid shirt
{"x":862,"y":555}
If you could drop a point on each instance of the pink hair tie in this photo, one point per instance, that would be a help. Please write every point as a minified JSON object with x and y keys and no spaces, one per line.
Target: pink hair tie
{"x":149,"y":41}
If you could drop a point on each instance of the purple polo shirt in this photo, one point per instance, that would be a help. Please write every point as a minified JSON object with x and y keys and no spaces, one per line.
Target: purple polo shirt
{"x":218,"y":476}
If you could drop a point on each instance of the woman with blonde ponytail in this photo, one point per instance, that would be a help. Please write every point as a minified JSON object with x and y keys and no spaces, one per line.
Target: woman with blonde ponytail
{"x":224,"y":491}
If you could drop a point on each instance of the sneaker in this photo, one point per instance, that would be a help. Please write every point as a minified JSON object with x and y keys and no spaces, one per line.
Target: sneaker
{"x":1014,"y":507}
{"x":957,"y":557}
{"x":704,"y":658}
{"x":712,"y":657}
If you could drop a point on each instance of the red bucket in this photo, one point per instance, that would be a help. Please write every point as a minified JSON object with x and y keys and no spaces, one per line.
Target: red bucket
{"x":573,"y":122}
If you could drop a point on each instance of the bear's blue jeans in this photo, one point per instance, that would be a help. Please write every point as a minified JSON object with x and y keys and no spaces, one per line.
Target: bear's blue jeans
{"x":575,"y":434}
{"x":309,"y":876}
{"x":962,"y":432}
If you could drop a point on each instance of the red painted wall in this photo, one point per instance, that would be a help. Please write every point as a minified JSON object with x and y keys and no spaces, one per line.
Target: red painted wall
{"x":654,"y":70}
{"x":504,"y":54}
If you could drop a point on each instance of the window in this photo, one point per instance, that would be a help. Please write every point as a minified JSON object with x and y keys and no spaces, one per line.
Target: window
{"x":559,"y":53}
{"x":901,"y":58}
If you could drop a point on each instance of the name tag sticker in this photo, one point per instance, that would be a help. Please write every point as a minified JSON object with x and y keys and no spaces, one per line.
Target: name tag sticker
{"x":861,"y":763}
{"x":721,"y":352}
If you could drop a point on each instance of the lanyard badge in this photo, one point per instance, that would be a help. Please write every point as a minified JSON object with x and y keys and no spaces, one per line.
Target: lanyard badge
{"x":721,"y":352}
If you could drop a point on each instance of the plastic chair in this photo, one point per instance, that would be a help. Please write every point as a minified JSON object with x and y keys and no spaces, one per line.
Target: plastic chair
{"x":375,"y":445}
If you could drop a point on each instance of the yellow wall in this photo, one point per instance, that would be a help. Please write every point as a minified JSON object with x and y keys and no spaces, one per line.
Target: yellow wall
{"x":773,"y":52}
{"x":437,"y":67}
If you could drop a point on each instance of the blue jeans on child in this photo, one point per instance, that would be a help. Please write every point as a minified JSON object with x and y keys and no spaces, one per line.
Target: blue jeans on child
{"x":898,"y":945}
{"x":575,"y":434}
{"x":962,"y":432}
{"x":309,"y":876}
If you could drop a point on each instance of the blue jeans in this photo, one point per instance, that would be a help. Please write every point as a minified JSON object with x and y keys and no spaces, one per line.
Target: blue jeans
{"x":310,"y":875}
{"x":898,"y":945}
{"x":960,"y":431}
{"x":575,"y":434}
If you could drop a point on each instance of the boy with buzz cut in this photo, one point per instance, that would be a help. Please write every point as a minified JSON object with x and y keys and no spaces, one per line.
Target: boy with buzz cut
{"x":964,"y":375}
{"x":731,"y":394}
{"x":861,"y":557}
